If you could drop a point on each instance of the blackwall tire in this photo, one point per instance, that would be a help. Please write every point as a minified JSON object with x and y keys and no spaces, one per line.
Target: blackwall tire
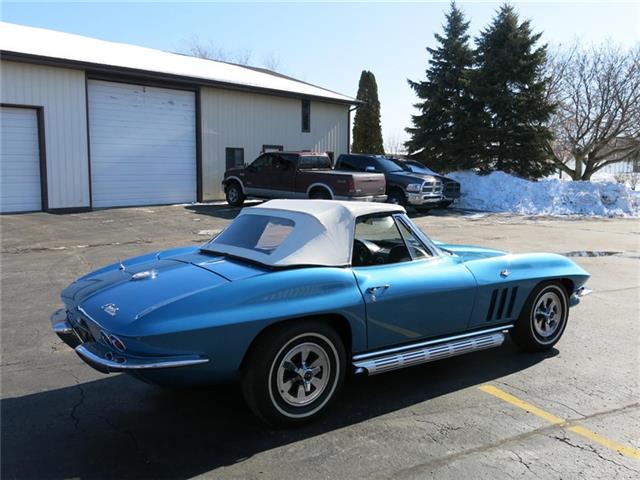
{"x":319,"y":194}
{"x":543,"y":318}
{"x":293,"y":373}
{"x":234,"y":194}
{"x":397,"y":197}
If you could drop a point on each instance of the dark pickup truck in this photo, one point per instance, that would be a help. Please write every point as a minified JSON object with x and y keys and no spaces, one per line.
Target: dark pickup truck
{"x":421,"y":189}
{"x":300,"y":175}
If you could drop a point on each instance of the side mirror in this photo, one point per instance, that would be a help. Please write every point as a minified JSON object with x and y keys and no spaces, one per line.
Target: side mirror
{"x":250,"y":168}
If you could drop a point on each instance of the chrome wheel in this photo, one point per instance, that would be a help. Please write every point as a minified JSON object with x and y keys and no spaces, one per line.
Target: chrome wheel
{"x":303,"y":374}
{"x":548,"y":315}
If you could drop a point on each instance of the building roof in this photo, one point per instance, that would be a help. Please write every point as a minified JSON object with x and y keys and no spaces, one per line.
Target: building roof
{"x":322,"y":232}
{"x":38,"y":44}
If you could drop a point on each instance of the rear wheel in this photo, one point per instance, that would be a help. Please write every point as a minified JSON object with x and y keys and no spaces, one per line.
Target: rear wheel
{"x":319,"y":194}
{"x":234,"y":194}
{"x":293,"y":373}
{"x":543,"y":318}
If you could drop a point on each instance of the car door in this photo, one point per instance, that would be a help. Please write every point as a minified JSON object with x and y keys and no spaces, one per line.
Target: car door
{"x":411,"y":292}
{"x":270,"y":175}
{"x":254,"y":175}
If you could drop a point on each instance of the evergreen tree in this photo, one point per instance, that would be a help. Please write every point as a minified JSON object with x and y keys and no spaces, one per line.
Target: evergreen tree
{"x":443,"y":130}
{"x":509,"y":87}
{"x":367,"y":133}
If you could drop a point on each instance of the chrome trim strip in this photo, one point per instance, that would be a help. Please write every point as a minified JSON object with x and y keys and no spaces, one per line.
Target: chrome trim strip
{"x":63,"y":329}
{"x":431,"y":353}
{"x":132,"y":363}
{"x":84,"y":312}
{"x":414,"y":346}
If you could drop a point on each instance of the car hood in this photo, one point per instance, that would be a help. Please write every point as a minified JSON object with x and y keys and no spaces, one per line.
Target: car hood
{"x":470,"y":252}
{"x":409,"y":177}
{"x":116,"y":297}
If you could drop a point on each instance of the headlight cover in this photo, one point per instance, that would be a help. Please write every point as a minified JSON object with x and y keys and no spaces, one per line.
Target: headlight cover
{"x":414,"y":187}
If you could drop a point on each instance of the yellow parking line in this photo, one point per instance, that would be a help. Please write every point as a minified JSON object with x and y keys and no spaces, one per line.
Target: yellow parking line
{"x":594,"y":437}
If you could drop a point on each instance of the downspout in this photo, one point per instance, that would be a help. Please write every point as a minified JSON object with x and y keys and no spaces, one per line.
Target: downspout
{"x":352,"y":109}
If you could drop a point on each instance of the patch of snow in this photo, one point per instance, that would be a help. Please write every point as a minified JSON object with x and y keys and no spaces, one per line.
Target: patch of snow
{"x":208,"y":233}
{"x":501,"y":192}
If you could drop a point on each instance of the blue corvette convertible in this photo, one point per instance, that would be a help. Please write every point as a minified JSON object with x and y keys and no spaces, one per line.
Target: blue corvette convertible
{"x":294,"y":294}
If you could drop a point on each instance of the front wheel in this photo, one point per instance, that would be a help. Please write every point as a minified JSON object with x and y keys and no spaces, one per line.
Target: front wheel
{"x":293,"y":373}
{"x":397,"y":197}
{"x":543,"y":318}
{"x":235,"y":195}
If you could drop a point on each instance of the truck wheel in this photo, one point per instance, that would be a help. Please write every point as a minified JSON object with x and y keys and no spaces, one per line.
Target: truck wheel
{"x":319,"y":194}
{"x":543,"y":318}
{"x":235,"y":195}
{"x":293,"y":373}
{"x":446,"y":203}
{"x":397,"y":198}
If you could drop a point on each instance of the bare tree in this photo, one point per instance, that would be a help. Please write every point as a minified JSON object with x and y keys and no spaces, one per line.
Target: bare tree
{"x":597,"y":117}
{"x":393,"y":145}
{"x":212,"y":51}
{"x":271,"y":62}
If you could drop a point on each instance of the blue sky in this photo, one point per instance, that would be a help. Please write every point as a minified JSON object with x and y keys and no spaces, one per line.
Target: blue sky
{"x":325,"y":43}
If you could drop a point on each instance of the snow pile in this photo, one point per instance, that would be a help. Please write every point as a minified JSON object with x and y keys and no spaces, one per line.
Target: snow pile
{"x":501,"y":192}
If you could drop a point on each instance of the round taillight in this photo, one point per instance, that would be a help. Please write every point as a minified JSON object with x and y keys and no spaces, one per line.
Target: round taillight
{"x":117,"y":343}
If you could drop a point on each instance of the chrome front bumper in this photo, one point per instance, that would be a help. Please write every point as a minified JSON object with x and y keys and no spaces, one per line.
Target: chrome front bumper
{"x":106,"y":360}
{"x":578,"y":294}
{"x":367,"y":198}
{"x":420,"y":198}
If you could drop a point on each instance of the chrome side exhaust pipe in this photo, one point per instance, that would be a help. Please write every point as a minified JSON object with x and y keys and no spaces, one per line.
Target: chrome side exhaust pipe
{"x":429,"y":352}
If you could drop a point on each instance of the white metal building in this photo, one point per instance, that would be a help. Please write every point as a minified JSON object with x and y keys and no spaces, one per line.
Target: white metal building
{"x":87,"y":123}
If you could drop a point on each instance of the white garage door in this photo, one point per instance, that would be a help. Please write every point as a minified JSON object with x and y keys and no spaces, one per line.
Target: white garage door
{"x":19,"y":160}
{"x":143,"y":144}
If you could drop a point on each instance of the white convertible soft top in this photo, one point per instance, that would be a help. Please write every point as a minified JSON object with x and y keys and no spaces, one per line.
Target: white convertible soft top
{"x":308,"y":232}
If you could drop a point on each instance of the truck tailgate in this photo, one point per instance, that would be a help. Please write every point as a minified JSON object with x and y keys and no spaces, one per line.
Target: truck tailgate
{"x":369,"y":183}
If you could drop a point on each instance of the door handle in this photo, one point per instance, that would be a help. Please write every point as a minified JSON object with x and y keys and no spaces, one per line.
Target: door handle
{"x":374,"y":291}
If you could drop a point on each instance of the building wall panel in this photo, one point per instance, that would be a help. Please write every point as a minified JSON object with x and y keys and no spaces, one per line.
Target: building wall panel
{"x":61,"y":93}
{"x":249,"y":121}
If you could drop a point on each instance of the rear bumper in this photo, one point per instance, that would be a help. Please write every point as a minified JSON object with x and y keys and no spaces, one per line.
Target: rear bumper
{"x":107,"y":360}
{"x":577,"y":295}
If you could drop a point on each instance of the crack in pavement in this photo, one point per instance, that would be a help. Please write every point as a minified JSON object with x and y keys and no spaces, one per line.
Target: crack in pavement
{"x":591,"y":449}
{"x":18,"y":250}
{"x":520,"y":460}
{"x":502,"y":382}
{"x":78,"y":404}
{"x":546,"y":431}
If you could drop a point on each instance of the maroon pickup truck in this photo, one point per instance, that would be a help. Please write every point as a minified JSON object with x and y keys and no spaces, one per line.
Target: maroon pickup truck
{"x":300,"y":175}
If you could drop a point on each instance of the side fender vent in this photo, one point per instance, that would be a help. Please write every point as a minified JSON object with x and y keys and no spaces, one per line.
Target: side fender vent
{"x":501,"y":304}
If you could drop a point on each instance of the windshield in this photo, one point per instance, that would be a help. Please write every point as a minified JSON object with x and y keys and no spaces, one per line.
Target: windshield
{"x":419,"y":168}
{"x":261,"y":233}
{"x":387,"y":166}
{"x":403,"y":165}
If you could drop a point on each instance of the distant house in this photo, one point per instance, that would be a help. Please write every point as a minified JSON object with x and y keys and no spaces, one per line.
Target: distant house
{"x":88,"y":123}
{"x":630,"y":165}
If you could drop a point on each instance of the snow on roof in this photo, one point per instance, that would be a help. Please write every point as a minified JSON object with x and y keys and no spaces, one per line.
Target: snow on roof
{"x":322,"y":232}
{"x":41,"y":42}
